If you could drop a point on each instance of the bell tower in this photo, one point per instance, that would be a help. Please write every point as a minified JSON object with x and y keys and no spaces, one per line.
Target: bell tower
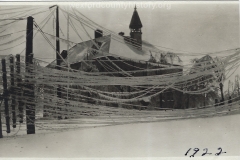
{"x":135,"y":29}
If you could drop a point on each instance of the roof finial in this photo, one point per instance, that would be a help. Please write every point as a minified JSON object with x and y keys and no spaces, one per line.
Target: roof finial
{"x":135,"y":7}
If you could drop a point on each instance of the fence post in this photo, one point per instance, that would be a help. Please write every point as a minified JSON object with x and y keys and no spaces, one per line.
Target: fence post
{"x":19,"y":90}
{"x":222,"y":96}
{"x":5,"y":94}
{"x":160,"y":94}
{"x":160,"y":101}
{"x":1,"y":136}
{"x":30,"y":107}
{"x":1,"y":98}
{"x":12,"y":91}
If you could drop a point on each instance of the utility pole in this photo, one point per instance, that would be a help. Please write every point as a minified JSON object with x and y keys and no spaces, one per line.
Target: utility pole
{"x":30,"y":107}
{"x":68,"y":18}
{"x":58,"y":57}
{"x":57,"y":39}
{"x":29,"y":38}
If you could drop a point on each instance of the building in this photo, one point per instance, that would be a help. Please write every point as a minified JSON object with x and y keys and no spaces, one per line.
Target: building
{"x":109,"y":53}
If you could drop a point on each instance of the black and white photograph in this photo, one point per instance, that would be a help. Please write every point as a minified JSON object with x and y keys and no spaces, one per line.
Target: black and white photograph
{"x":120,"y":80}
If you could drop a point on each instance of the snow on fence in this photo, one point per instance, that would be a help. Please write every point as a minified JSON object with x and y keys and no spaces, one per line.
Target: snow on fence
{"x":29,"y":102}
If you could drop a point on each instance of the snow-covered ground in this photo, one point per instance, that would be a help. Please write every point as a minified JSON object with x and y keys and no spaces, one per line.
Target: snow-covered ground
{"x":154,"y":139}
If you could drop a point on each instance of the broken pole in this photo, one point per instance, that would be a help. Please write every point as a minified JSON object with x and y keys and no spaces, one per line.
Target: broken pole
{"x":5,"y":95}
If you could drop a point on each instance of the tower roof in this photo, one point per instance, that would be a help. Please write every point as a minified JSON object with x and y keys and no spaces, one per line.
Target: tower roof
{"x":135,"y":21}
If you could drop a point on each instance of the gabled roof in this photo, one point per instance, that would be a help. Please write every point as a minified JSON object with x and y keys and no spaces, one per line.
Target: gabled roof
{"x":117,"y":47}
{"x":135,"y":21}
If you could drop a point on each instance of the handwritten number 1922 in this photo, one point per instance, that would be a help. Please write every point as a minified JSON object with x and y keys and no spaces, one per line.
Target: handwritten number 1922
{"x":196,"y":150}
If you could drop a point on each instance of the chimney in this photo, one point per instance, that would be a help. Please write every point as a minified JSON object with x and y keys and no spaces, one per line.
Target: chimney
{"x":64,"y":54}
{"x":98,"y":33}
{"x":121,"y":33}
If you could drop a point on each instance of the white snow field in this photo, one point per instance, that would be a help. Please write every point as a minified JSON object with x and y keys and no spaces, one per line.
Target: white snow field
{"x":154,"y":139}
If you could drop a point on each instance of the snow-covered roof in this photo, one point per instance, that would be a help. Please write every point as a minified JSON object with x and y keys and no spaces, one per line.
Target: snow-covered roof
{"x":117,"y":46}
{"x":202,"y":64}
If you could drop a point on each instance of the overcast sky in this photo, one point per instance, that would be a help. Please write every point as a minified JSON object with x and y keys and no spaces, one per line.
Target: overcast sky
{"x":193,"y":27}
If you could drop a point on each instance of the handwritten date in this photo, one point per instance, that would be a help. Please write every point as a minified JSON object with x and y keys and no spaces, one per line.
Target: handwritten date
{"x":205,"y":152}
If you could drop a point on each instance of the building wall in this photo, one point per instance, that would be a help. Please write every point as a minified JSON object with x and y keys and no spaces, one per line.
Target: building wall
{"x":170,"y":98}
